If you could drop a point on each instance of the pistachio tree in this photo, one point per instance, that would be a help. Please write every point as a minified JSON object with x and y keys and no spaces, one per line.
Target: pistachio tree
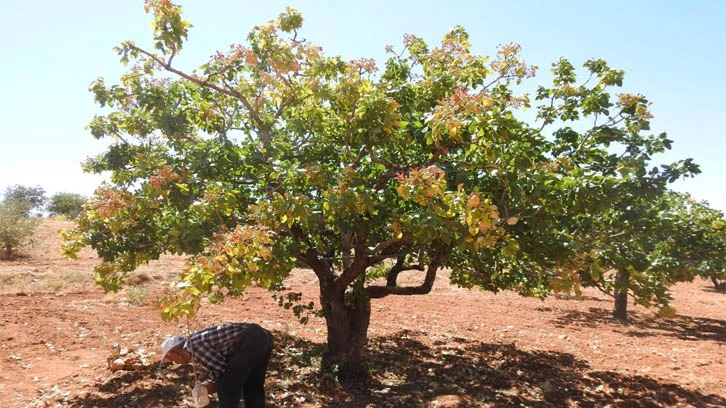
{"x":695,"y":243}
{"x":272,"y":154}
{"x":615,"y":243}
{"x":639,"y":248}
{"x":622,"y":252}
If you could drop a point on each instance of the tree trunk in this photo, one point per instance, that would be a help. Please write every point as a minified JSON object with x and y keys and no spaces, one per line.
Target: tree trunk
{"x":715,"y":281}
{"x":8,"y":252}
{"x":347,"y":322}
{"x":622,"y":284}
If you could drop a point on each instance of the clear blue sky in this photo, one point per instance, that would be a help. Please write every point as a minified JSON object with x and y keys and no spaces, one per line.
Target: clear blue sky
{"x":672,"y":51}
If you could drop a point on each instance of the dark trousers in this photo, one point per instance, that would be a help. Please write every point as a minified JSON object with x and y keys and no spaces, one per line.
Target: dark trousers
{"x":246,"y":370}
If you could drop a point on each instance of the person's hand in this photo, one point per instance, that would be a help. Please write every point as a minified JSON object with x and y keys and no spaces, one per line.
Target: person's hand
{"x":211,"y":387}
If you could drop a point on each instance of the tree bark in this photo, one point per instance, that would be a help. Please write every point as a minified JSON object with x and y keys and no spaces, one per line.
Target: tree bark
{"x":8,"y":252}
{"x":346,"y":306}
{"x":622,"y":284}
{"x":346,"y":317}
{"x":347,"y":323}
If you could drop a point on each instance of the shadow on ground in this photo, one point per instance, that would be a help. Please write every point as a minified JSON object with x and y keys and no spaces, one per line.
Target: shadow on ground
{"x":151,"y":387}
{"x":642,"y":325}
{"x":712,"y":289}
{"x":406,"y":372}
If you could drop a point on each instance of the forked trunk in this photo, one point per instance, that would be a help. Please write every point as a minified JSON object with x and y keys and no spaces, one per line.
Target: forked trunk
{"x":347,"y":322}
{"x":622,"y":284}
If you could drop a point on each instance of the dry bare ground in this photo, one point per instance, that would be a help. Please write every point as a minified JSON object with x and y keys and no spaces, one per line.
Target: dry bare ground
{"x":451,"y":348}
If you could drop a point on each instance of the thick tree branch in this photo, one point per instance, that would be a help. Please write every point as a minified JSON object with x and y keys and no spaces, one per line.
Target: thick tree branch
{"x":377,"y":292}
{"x":229,"y":92}
{"x":400,"y":266}
{"x":391,"y":246}
{"x":311,"y":257}
{"x":360,"y":262}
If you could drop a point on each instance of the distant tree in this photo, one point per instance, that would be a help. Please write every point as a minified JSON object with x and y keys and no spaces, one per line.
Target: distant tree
{"x":617,"y":250}
{"x":17,"y":228}
{"x":651,"y":241}
{"x":696,"y":243}
{"x":67,"y":204}
{"x":31,"y":198}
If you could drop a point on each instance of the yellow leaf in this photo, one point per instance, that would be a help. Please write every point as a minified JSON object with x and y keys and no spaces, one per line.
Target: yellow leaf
{"x":403,"y":192}
{"x":453,"y":129}
{"x":485,"y":226}
{"x":511,"y":248}
{"x":596,"y":271}
{"x":512,"y":220}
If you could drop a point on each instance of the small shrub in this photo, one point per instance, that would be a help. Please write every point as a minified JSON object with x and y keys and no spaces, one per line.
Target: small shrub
{"x":16,"y":228}
{"x":53,"y":283}
{"x":137,"y":295}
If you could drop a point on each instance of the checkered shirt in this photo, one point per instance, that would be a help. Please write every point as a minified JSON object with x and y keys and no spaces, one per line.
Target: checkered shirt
{"x":212,"y":346}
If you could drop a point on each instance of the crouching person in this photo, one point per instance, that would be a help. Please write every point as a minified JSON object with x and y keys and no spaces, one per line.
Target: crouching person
{"x":234,"y":357}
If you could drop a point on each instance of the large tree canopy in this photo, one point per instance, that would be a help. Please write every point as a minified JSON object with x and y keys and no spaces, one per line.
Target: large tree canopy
{"x":272,"y":154}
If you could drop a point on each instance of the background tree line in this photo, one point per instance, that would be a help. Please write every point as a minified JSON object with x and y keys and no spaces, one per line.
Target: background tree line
{"x":20,"y":211}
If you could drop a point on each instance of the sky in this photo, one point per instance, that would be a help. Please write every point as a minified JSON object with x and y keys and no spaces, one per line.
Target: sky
{"x":673,"y":52}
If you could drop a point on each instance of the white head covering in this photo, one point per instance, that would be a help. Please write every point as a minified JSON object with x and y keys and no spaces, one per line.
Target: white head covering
{"x":169,"y":344}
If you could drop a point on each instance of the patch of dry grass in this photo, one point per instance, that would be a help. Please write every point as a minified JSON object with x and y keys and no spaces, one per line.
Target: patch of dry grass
{"x":51,"y":280}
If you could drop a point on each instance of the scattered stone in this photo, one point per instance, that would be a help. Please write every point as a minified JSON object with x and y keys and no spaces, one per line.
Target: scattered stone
{"x":117,"y":364}
{"x":127,"y":360}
